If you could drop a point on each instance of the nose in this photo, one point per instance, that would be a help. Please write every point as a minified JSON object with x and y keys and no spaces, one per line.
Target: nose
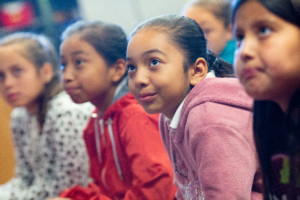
{"x":247,"y":49}
{"x":141,"y":78}
{"x":68,"y":74}
{"x":8,"y":81}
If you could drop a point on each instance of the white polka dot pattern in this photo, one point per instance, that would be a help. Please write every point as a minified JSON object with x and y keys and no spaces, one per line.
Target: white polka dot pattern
{"x":50,"y":162}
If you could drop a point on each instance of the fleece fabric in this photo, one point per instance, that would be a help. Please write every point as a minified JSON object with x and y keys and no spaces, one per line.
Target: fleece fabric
{"x":212,"y":149}
{"x":127,"y":156}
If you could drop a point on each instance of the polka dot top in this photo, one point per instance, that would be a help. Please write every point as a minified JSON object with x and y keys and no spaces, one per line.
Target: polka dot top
{"x":50,"y":162}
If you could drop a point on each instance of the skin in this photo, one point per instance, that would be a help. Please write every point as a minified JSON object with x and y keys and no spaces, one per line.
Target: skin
{"x":21,"y":83}
{"x":216,"y":32}
{"x":156,"y":74}
{"x":267,"y":58}
{"x":87,"y":76}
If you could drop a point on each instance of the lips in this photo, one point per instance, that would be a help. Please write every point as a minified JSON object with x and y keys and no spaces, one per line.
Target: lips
{"x":146,"y":97}
{"x":12,"y":96}
{"x":72,"y":90}
{"x":249,"y":73}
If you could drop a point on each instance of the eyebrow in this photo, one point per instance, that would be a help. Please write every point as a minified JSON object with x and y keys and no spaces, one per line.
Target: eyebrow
{"x":76,"y":53}
{"x":150,"y":52}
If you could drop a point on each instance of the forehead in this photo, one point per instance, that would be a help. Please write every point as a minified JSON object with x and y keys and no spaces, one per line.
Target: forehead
{"x":13,"y":50}
{"x":252,"y":10}
{"x":74,"y":43}
{"x":149,"y":38}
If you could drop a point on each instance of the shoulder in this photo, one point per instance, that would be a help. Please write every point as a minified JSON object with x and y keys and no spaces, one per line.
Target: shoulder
{"x":129,"y":111}
{"x":226,"y":91}
{"x":18,"y":113}
{"x":63,"y":104}
{"x":218,"y":101}
{"x":20,"y":117}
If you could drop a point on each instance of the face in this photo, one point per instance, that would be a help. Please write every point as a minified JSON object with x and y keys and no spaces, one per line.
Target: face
{"x":20,"y":81}
{"x":156,"y":72}
{"x":267,"y":60}
{"x":87,"y":77}
{"x":215,"y":31}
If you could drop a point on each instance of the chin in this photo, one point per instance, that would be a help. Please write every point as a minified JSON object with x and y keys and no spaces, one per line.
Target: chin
{"x":78,"y":100}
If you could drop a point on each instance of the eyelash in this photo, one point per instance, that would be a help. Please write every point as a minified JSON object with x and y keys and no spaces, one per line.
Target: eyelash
{"x":154,"y":60}
{"x":129,"y":68}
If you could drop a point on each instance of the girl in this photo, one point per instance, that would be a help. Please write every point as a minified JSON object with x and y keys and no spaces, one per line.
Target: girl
{"x":205,"y":123}
{"x":50,"y":152}
{"x":127,"y":157}
{"x":214,"y":17}
{"x":268,"y":65}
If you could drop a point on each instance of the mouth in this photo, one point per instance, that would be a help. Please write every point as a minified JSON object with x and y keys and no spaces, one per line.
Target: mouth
{"x":146,"y":97}
{"x":249,"y":73}
{"x":12,"y":96}
{"x":72,"y":90}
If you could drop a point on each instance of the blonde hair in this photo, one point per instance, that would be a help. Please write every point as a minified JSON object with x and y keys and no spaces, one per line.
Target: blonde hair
{"x":38,"y":50}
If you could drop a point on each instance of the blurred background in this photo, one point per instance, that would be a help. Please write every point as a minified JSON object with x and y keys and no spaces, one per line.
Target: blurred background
{"x":51,"y":17}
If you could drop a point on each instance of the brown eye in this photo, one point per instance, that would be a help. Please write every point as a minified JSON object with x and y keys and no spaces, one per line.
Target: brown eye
{"x":130,"y":68}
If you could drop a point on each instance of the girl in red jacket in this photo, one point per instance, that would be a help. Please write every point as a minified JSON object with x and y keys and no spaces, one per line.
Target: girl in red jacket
{"x":127,"y":156}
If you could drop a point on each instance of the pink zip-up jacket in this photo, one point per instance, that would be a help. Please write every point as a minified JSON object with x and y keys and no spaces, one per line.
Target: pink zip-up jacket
{"x":212,"y":149}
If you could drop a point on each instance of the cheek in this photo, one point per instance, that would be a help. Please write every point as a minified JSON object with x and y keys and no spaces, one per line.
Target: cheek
{"x":131,"y":86}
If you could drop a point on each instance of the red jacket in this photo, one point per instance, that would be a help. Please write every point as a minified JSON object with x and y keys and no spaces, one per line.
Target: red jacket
{"x":128,"y":159}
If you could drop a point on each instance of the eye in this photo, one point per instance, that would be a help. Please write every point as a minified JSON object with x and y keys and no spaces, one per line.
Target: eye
{"x":154,"y":62}
{"x":78,"y":62}
{"x":264,"y":31}
{"x":63,"y":66}
{"x":130,"y":68}
{"x":239,"y":36}
{"x":2,"y":77}
{"x":17,"y":71}
{"x":207,"y":31}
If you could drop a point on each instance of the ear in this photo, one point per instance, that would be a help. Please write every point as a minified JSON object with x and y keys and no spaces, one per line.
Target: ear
{"x":118,"y":70}
{"x":198,"y":71}
{"x":46,"y":72}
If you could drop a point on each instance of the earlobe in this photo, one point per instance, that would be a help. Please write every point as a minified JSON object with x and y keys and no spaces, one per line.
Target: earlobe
{"x":46,"y":72}
{"x":118,"y":70}
{"x":198,"y":71}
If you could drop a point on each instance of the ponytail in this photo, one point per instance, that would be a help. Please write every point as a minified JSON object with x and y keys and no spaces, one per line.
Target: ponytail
{"x":220,"y":67}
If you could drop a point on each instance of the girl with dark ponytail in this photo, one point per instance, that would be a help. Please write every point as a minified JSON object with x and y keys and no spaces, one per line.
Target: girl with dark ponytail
{"x":267,"y":63}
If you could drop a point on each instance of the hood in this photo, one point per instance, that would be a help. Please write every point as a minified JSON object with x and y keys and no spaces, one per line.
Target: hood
{"x":226,"y":91}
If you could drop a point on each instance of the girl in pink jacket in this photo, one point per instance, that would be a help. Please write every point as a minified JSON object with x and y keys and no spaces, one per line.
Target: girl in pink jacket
{"x":205,"y":124}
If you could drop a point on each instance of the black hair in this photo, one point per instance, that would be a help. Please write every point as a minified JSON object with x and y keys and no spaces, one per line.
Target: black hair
{"x":188,"y":36}
{"x":108,"y":39}
{"x":38,"y":50}
{"x":274,"y":130}
{"x":288,"y":10}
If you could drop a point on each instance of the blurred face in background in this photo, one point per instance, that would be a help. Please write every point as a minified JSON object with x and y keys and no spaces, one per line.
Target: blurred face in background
{"x":216,"y":32}
{"x":267,"y":60}
{"x":21,"y":83}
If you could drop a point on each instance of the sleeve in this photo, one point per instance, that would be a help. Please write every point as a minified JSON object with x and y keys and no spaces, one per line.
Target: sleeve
{"x":225,"y":158}
{"x":148,"y":160}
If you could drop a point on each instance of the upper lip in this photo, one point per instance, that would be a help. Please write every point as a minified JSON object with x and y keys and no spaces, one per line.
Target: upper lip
{"x":71,"y":88}
{"x":145,"y":94}
{"x":249,"y":71}
{"x":11,"y":94}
